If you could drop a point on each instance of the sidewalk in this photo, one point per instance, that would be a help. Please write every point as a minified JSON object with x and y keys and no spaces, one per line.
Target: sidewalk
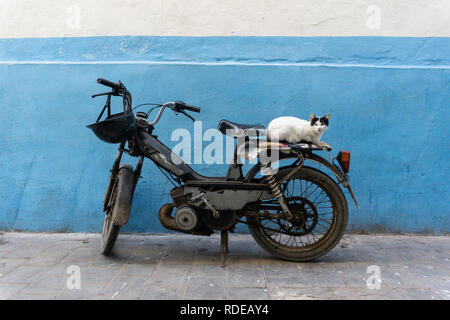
{"x":38,"y":266}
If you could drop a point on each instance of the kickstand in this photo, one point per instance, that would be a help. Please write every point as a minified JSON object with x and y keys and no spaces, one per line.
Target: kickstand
{"x":224,"y":246}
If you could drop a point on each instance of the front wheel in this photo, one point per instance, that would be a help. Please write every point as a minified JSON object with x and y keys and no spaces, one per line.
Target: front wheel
{"x":110,"y":231}
{"x":319,"y":212}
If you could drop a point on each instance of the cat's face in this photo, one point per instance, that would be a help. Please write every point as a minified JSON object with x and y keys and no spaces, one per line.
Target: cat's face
{"x":319,"y":125}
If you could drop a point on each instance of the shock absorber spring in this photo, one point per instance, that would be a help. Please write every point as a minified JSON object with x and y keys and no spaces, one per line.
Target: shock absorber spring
{"x":275,"y":189}
{"x":270,"y":179}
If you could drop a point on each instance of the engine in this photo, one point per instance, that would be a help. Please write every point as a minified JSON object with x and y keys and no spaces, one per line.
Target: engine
{"x":190,"y":219}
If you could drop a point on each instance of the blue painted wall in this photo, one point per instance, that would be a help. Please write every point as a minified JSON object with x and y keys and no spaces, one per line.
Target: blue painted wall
{"x":388,"y":98}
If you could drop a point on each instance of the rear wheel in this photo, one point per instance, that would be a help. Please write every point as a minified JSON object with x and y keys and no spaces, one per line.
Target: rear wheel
{"x":110,"y":231}
{"x":319,"y":212}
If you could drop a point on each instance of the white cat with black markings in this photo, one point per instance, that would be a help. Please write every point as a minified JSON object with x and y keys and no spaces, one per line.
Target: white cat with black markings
{"x":294,"y":130}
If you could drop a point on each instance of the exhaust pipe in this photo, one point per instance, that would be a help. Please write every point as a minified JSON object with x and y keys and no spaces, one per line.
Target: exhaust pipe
{"x":165,"y":217}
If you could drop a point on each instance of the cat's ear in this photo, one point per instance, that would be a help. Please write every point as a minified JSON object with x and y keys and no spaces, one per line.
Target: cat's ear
{"x":327,"y":116}
{"x":312,"y":116}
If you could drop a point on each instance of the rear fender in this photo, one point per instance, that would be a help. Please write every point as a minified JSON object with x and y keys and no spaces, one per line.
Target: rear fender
{"x":341,"y":177}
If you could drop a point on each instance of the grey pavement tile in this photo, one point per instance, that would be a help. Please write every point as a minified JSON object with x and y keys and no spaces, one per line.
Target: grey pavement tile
{"x":256,"y":265}
{"x":112,"y":262}
{"x":179,"y":255}
{"x":132,"y":268}
{"x":124,"y":250}
{"x":415,"y":275}
{"x":8,"y":290}
{"x":23,"y":274}
{"x":443,"y":293}
{"x":157,"y":292}
{"x":247,"y":293}
{"x":353,"y":274}
{"x":239,"y":252}
{"x":246,"y":278}
{"x":66,"y":245}
{"x":95,"y":276}
{"x":92,"y":282}
{"x":27,"y":251}
{"x":172,"y":280}
{"x":294,"y":282}
{"x":338,"y":294}
{"x":281,"y":269}
{"x":443,"y":262}
{"x":243,"y":248}
{"x":242,"y":260}
{"x":209,"y":259}
{"x":338,"y":254}
{"x":401,"y":241}
{"x":206,"y":287}
{"x":34,"y":266}
{"x":129,"y":288}
{"x":147,"y":255}
{"x":374,"y":255}
{"x":82,"y":254}
{"x":7,"y":265}
{"x":168,"y":270}
{"x":439,"y":284}
{"x":63,"y":268}
{"x":23,"y":295}
{"x":316,"y":266}
{"x":48,"y":283}
{"x":49,"y":257}
{"x":155,"y":243}
{"x":85,"y":293}
{"x":6,"y":245}
{"x":321,"y":275}
{"x":419,"y":294}
{"x":429,"y":269}
{"x":208,"y":246}
{"x":406,"y":255}
{"x":216,"y":270}
{"x":276,"y":297}
{"x":93,"y":242}
{"x":279,"y":273}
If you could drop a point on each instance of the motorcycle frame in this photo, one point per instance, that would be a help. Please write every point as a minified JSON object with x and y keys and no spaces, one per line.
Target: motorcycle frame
{"x":144,"y":144}
{"x":148,"y":146}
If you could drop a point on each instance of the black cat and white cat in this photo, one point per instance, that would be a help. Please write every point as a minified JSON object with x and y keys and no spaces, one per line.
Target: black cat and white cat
{"x":294,"y":130}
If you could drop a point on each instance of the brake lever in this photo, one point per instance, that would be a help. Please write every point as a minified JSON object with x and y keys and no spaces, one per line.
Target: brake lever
{"x":187,"y":115}
{"x":104,"y":94}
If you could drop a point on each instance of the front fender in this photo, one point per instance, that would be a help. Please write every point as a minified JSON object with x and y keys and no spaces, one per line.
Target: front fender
{"x":126,"y":183}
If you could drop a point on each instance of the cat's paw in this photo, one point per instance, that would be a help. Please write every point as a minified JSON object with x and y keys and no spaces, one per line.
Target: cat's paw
{"x":325,"y":145}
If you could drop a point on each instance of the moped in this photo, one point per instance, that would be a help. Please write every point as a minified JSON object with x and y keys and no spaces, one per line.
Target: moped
{"x":295,"y":213}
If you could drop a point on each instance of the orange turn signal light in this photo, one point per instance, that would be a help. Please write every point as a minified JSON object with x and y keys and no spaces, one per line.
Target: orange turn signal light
{"x":344,"y":160}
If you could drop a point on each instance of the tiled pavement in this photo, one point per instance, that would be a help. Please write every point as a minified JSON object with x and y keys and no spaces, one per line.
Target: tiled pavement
{"x":38,"y":266}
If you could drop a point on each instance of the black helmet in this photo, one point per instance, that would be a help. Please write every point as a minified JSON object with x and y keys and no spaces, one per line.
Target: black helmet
{"x":115,"y":128}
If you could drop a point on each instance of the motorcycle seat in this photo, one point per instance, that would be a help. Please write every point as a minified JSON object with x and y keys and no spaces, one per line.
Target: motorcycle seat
{"x":237,"y":130}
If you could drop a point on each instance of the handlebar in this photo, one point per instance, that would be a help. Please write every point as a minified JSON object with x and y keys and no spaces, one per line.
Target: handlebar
{"x":183,"y":106}
{"x":114,"y":85}
{"x":120,"y":90}
{"x":178,"y":106}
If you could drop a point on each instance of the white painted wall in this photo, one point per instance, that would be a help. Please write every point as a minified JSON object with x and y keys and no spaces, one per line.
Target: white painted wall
{"x":58,"y":18}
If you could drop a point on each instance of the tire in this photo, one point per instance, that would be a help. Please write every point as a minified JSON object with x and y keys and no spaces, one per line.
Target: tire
{"x":110,"y":231}
{"x":329,"y":239}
